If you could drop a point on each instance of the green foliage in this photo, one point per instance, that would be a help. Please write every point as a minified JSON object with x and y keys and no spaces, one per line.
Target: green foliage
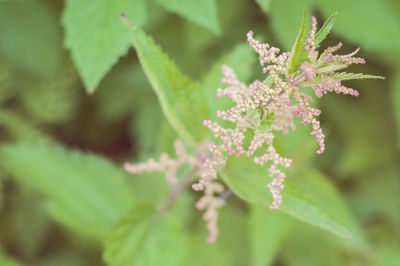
{"x":325,"y":29}
{"x":303,"y":197}
{"x":84,"y":192}
{"x":264,"y":4}
{"x":396,"y":102}
{"x":29,"y":34}
{"x":96,"y":36}
{"x":140,"y":238}
{"x":268,"y":231}
{"x":6,"y":261}
{"x":348,"y":76}
{"x":298,"y":53}
{"x":176,"y":92}
{"x":204,"y":13}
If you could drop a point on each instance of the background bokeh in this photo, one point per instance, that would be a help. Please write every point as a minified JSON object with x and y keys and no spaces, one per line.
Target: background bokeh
{"x":47,"y":95}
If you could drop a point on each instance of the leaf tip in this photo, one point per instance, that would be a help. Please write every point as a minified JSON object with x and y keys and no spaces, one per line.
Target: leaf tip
{"x":126,"y":19}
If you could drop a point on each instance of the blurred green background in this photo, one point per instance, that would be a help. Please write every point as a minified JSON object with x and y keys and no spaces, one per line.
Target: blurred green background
{"x":62,"y":82}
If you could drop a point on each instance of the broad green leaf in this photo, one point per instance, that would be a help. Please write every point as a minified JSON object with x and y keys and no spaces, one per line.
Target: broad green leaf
{"x":264,"y":4}
{"x":96,"y":36}
{"x":181,"y":99}
{"x":348,"y":76}
{"x":325,"y":29}
{"x":298,"y":53}
{"x":140,"y":238}
{"x":268,"y":231}
{"x":204,"y":13}
{"x":396,"y":103}
{"x":30,"y":37}
{"x":84,"y":192}
{"x":308,"y":196}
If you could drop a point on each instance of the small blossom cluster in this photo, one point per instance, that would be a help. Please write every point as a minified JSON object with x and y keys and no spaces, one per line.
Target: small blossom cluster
{"x":272,"y":105}
{"x":210,"y":201}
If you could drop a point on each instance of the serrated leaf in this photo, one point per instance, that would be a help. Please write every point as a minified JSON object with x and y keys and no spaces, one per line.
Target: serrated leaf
{"x":203,"y":13}
{"x":30,"y":37}
{"x":325,"y":29}
{"x":348,"y":76}
{"x":181,"y":98}
{"x":84,"y":192}
{"x":140,"y":238}
{"x":308,"y":195}
{"x":96,"y":36}
{"x":268,"y":231}
{"x":298,"y":53}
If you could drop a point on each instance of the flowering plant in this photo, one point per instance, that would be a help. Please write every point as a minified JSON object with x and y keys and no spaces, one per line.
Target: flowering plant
{"x":262,"y":109}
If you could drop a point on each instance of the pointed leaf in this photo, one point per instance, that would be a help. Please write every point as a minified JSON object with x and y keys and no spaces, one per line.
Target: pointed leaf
{"x":181,"y":98}
{"x":96,"y":36}
{"x":325,"y":29}
{"x":84,"y":192}
{"x":298,"y":53}
{"x":203,"y":13}
{"x":348,"y":76}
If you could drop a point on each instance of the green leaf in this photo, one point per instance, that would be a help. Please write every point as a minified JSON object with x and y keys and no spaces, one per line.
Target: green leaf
{"x":95,"y":35}
{"x":140,"y":238}
{"x":298,"y":53}
{"x":264,"y":4}
{"x":308,"y":196}
{"x":30,"y":37}
{"x":84,"y":192}
{"x":6,"y":261}
{"x":268,"y":230}
{"x":181,"y":99}
{"x":325,"y":29}
{"x":348,"y":76}
{"x":203,"y":13}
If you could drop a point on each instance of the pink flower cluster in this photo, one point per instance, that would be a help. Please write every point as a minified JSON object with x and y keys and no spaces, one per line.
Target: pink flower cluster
{"x":272,"y":105}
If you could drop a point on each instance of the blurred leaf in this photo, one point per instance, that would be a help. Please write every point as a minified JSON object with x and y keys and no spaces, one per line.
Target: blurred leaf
{"x":30,"y":37}
{"x":20,"y":128}
{"x":325,"y":29}
{"x":125,"y":89}
{"x":233,"y":238}
{"x":268,"y":231}
{"x":6,"y":88}
{"x":51,"y":102}
{"x":204,"y":13}
{"x":387,"y":255}
{"x":201,"y":253}
{"x":285,"y":19}
{"x":64,"y":258}
{"x":177,"y":93}
{"x":139,"y":238}
{"x":308,"y":247}
{"x":383,"y":31}
{"x":146,"y":127}
{"x":308,"y":196}
{"x":84,"y":192}
{"x":96,"y":36}
{"x":298,"y":54}
{"x":264,"y":4}
{"x":6,"y":261}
